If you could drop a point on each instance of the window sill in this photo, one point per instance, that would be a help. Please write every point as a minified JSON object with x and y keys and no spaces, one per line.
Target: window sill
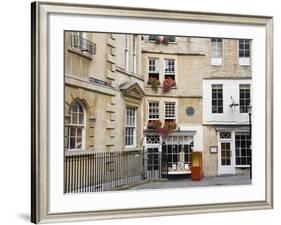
{"x":154,"y":42}
{"x":132,"y":149}
{"x":244,"y":65}
{"x":150,"y":86}
{"x":78,"y":52}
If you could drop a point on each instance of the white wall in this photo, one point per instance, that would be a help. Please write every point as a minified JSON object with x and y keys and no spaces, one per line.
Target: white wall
{"x":230,"y":115}
{"x":15,"y":92}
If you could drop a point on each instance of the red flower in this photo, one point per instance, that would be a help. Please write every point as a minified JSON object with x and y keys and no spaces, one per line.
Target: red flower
{"x":161,"y":131}
{"x":154,"y":124}
{"x":168,"y":83}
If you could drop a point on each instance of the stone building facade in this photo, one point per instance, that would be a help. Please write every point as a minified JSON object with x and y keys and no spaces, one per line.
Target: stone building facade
{"x":118,"y":86}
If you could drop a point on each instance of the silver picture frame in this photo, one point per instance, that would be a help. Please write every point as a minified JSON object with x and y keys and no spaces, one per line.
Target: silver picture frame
{"x":39,"y":98}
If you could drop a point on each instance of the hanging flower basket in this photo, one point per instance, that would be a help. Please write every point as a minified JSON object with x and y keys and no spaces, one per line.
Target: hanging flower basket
{"x":168,"y":83}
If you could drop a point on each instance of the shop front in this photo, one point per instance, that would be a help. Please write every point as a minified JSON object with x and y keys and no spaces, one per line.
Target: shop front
{"x":170,"y":156}
{"x":234,"y":151}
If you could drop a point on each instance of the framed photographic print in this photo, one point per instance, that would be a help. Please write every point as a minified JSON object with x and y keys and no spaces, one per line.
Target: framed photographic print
{"x":140,"y":107}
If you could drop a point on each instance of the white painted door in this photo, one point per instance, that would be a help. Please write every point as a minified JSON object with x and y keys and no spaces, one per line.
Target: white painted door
{"x":226,"y":158}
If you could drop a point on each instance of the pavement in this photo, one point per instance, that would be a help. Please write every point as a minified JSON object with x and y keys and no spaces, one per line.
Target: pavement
{"x":184,"y":183}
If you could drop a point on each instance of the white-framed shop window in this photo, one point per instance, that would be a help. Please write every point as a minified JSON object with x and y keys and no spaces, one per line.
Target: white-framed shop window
{"x":216,"y":51}
{"x":76,"y":127}
{"x":242,"y":149}
{"x":130,"y":127}
{"x":153,"y":110}
{"x":244,"y":52}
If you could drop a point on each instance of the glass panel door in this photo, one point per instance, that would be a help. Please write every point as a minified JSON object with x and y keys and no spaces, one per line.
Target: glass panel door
{"x":226,"y":158}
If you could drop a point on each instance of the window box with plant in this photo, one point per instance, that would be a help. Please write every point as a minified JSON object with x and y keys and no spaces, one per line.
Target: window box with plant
{"x":154,"y":124}
{"x":154,"y":82}
{"x":168,"y":127}
{"x":168,"y":83}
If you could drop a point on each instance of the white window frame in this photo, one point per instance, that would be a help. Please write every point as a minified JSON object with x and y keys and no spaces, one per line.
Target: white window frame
{"x":156,"y":65}
{"x":248,"y":88}
{"x":217,"y":48}
{"x":155,"y":113}
{"x":75,"y":126}
{"x":212,"y":86}
{"x":169,"y":116}
{"x":243,"y":60}
{"x":166,"y":65}
{"x":131,"y":125}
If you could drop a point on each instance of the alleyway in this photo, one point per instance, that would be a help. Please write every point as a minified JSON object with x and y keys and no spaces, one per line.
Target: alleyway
{"x":209,"y":181}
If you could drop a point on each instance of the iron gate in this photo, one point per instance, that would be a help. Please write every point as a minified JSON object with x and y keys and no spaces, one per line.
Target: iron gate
{"x":155,"y":164}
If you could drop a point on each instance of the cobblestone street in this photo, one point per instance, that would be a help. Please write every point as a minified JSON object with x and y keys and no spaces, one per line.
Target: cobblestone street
{"x":182,"y":183}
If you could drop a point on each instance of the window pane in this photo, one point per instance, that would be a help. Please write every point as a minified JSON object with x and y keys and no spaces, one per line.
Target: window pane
{"x":72,"y":143}
{"x":74,"y":118}
{"x":81,"y":118}
{"x":72,"y":132}
{"x":79,"y":143}
{"x":79,"y":132}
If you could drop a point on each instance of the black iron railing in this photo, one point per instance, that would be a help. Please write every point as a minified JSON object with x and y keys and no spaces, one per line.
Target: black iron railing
{"x":102,"y":171}
{"x":83,"y":44}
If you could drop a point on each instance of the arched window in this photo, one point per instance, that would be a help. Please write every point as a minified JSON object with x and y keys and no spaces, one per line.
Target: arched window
{"x":76,"y":128}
